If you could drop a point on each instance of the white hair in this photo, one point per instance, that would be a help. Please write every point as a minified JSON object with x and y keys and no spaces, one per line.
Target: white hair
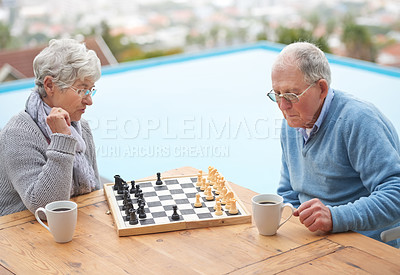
{"x":310,"y":60}
{"x":66,"y":60}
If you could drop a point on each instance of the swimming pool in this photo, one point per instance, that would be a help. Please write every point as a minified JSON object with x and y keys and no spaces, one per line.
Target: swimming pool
{"x":207,"y":109}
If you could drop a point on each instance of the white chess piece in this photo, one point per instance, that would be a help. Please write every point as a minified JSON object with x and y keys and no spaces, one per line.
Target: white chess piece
{"x":233,"y":209}
{"x":199,"y":178}
{"x":198,"y":202}
{"x":209,"y":194}
{"x":218,"y":209}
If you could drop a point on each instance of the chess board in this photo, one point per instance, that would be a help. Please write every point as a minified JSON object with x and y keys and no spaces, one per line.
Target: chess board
{"x":160,"y":199}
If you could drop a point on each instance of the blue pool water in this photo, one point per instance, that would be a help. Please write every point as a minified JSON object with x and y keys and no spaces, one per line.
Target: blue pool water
{"x":202,"y":110}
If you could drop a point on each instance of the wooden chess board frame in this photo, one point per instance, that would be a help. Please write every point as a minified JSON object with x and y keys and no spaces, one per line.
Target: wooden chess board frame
{"x":124,"y":230}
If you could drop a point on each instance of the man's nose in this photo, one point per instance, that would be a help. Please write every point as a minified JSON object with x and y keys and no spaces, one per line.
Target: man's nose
{"x":284,"y":104}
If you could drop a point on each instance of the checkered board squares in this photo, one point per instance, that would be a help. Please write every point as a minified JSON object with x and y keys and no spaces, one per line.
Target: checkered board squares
{"x":159,"y":202}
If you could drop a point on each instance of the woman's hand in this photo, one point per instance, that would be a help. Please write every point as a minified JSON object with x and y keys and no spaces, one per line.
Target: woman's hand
{"x":59,"y":121}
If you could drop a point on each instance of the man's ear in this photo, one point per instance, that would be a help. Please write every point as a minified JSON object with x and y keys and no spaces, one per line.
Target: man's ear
{"x":49,"y":85}
{"x":323,"y":85}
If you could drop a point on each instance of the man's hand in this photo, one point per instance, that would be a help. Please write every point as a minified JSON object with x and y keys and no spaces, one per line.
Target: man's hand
{"x":59,"y":121}
{"x":315,"y":215}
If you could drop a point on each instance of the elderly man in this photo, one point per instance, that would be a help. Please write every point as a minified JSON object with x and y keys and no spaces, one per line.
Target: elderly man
{"x":340,"y":155}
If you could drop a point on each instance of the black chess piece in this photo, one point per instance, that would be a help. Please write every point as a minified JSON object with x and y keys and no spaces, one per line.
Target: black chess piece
{"x":142,"y":214}
{"x":132,"y":187}
{"x":118,"y":181}
{"x":137,"y":191}
{"x":159,"y":181}
{"x":175,"y":215}
{"x":125,"y":201}
{"x":141,"y":201}
{"x":120,"y":189}
{"x":132,"y":217}
{"x":128,"y":207}
{"x":119,"y":184}
{"x":141,"y":196}
{"x":125,"y":186}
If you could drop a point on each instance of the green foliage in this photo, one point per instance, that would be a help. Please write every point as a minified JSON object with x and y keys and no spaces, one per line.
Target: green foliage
{"x":290,"y":35}
{"x":262,"y":36}
{"x":330,"y":26}
{"x":5,"y":36}
{"x":123,"y":50}
{"x":314,"y":19}
{"x":358,"y":41}
{"x":137,"y":54}
{"x":196,"y":39}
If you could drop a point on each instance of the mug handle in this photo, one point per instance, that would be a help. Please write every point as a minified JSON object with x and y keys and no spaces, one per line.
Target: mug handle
{"x":38,"y":219}
{"x":291,"y":214}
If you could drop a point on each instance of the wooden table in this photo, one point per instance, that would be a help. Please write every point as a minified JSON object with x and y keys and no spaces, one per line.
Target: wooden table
{"x":28,"y":248}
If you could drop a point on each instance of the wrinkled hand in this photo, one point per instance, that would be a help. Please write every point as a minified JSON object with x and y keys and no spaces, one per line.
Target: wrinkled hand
{"x":315,"y":215}
{"x":59,"y":121}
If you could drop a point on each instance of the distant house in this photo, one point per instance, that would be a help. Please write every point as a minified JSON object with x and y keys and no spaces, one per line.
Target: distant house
{"x":390,"y":56}
{"x":17,"y":64}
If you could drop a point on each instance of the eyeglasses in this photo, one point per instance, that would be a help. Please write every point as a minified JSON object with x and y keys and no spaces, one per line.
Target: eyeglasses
{"x":291,"y":97}
{"x":81,"y":92}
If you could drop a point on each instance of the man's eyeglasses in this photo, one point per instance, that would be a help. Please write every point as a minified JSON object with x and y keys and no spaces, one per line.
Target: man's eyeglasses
{"x":291,"y":97}
{"x":82,"y":92}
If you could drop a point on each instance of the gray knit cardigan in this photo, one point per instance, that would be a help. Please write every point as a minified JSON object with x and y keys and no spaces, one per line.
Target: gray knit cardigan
{"x":35,"y":171}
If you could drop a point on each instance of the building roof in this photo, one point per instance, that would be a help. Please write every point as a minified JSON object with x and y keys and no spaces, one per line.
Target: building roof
{"x":390,"y":56}
{"x":17,"y":64}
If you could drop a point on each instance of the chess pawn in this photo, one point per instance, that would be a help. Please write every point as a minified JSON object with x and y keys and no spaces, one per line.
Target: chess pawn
{"x":198,"y":202}
{"x":199,"y":178}
{"x":218,"y":208}
{"x":233,"y":209}
{"x":217,"y":199}
{"x":223,"y":195}
{"x":209,"y":194}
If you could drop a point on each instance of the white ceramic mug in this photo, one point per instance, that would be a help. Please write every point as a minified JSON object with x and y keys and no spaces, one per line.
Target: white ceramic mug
{"x":61,"y":219}
{"x":267,"y":213}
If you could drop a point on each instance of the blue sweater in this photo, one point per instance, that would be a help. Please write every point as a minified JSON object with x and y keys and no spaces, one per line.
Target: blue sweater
{"x":352,"y":165}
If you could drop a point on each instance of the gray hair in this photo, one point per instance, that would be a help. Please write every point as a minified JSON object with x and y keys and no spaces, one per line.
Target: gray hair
{"x":66,"y":60}
{"x":310,"y":60}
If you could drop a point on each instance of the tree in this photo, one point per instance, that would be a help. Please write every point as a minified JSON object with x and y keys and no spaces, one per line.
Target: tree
{"x":5,"y":36}
{"x":261,"y":36}
{"x":290,"y":35}
{"x":358,"y":42}
{"x":314,"y":20}
{"x":330,"y":26}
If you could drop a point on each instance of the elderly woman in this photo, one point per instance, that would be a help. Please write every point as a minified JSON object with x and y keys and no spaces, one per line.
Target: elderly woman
{"x":47,"y":151}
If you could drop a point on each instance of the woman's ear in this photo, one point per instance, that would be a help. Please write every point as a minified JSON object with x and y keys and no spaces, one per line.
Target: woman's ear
{"x":48,"y":85}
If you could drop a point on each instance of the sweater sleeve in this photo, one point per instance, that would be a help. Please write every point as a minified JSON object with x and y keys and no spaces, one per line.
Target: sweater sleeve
{"x":373,"y":150}
{"x":90,"y":150}
{"x":40,"y":172}
{"x":284,"y":188}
